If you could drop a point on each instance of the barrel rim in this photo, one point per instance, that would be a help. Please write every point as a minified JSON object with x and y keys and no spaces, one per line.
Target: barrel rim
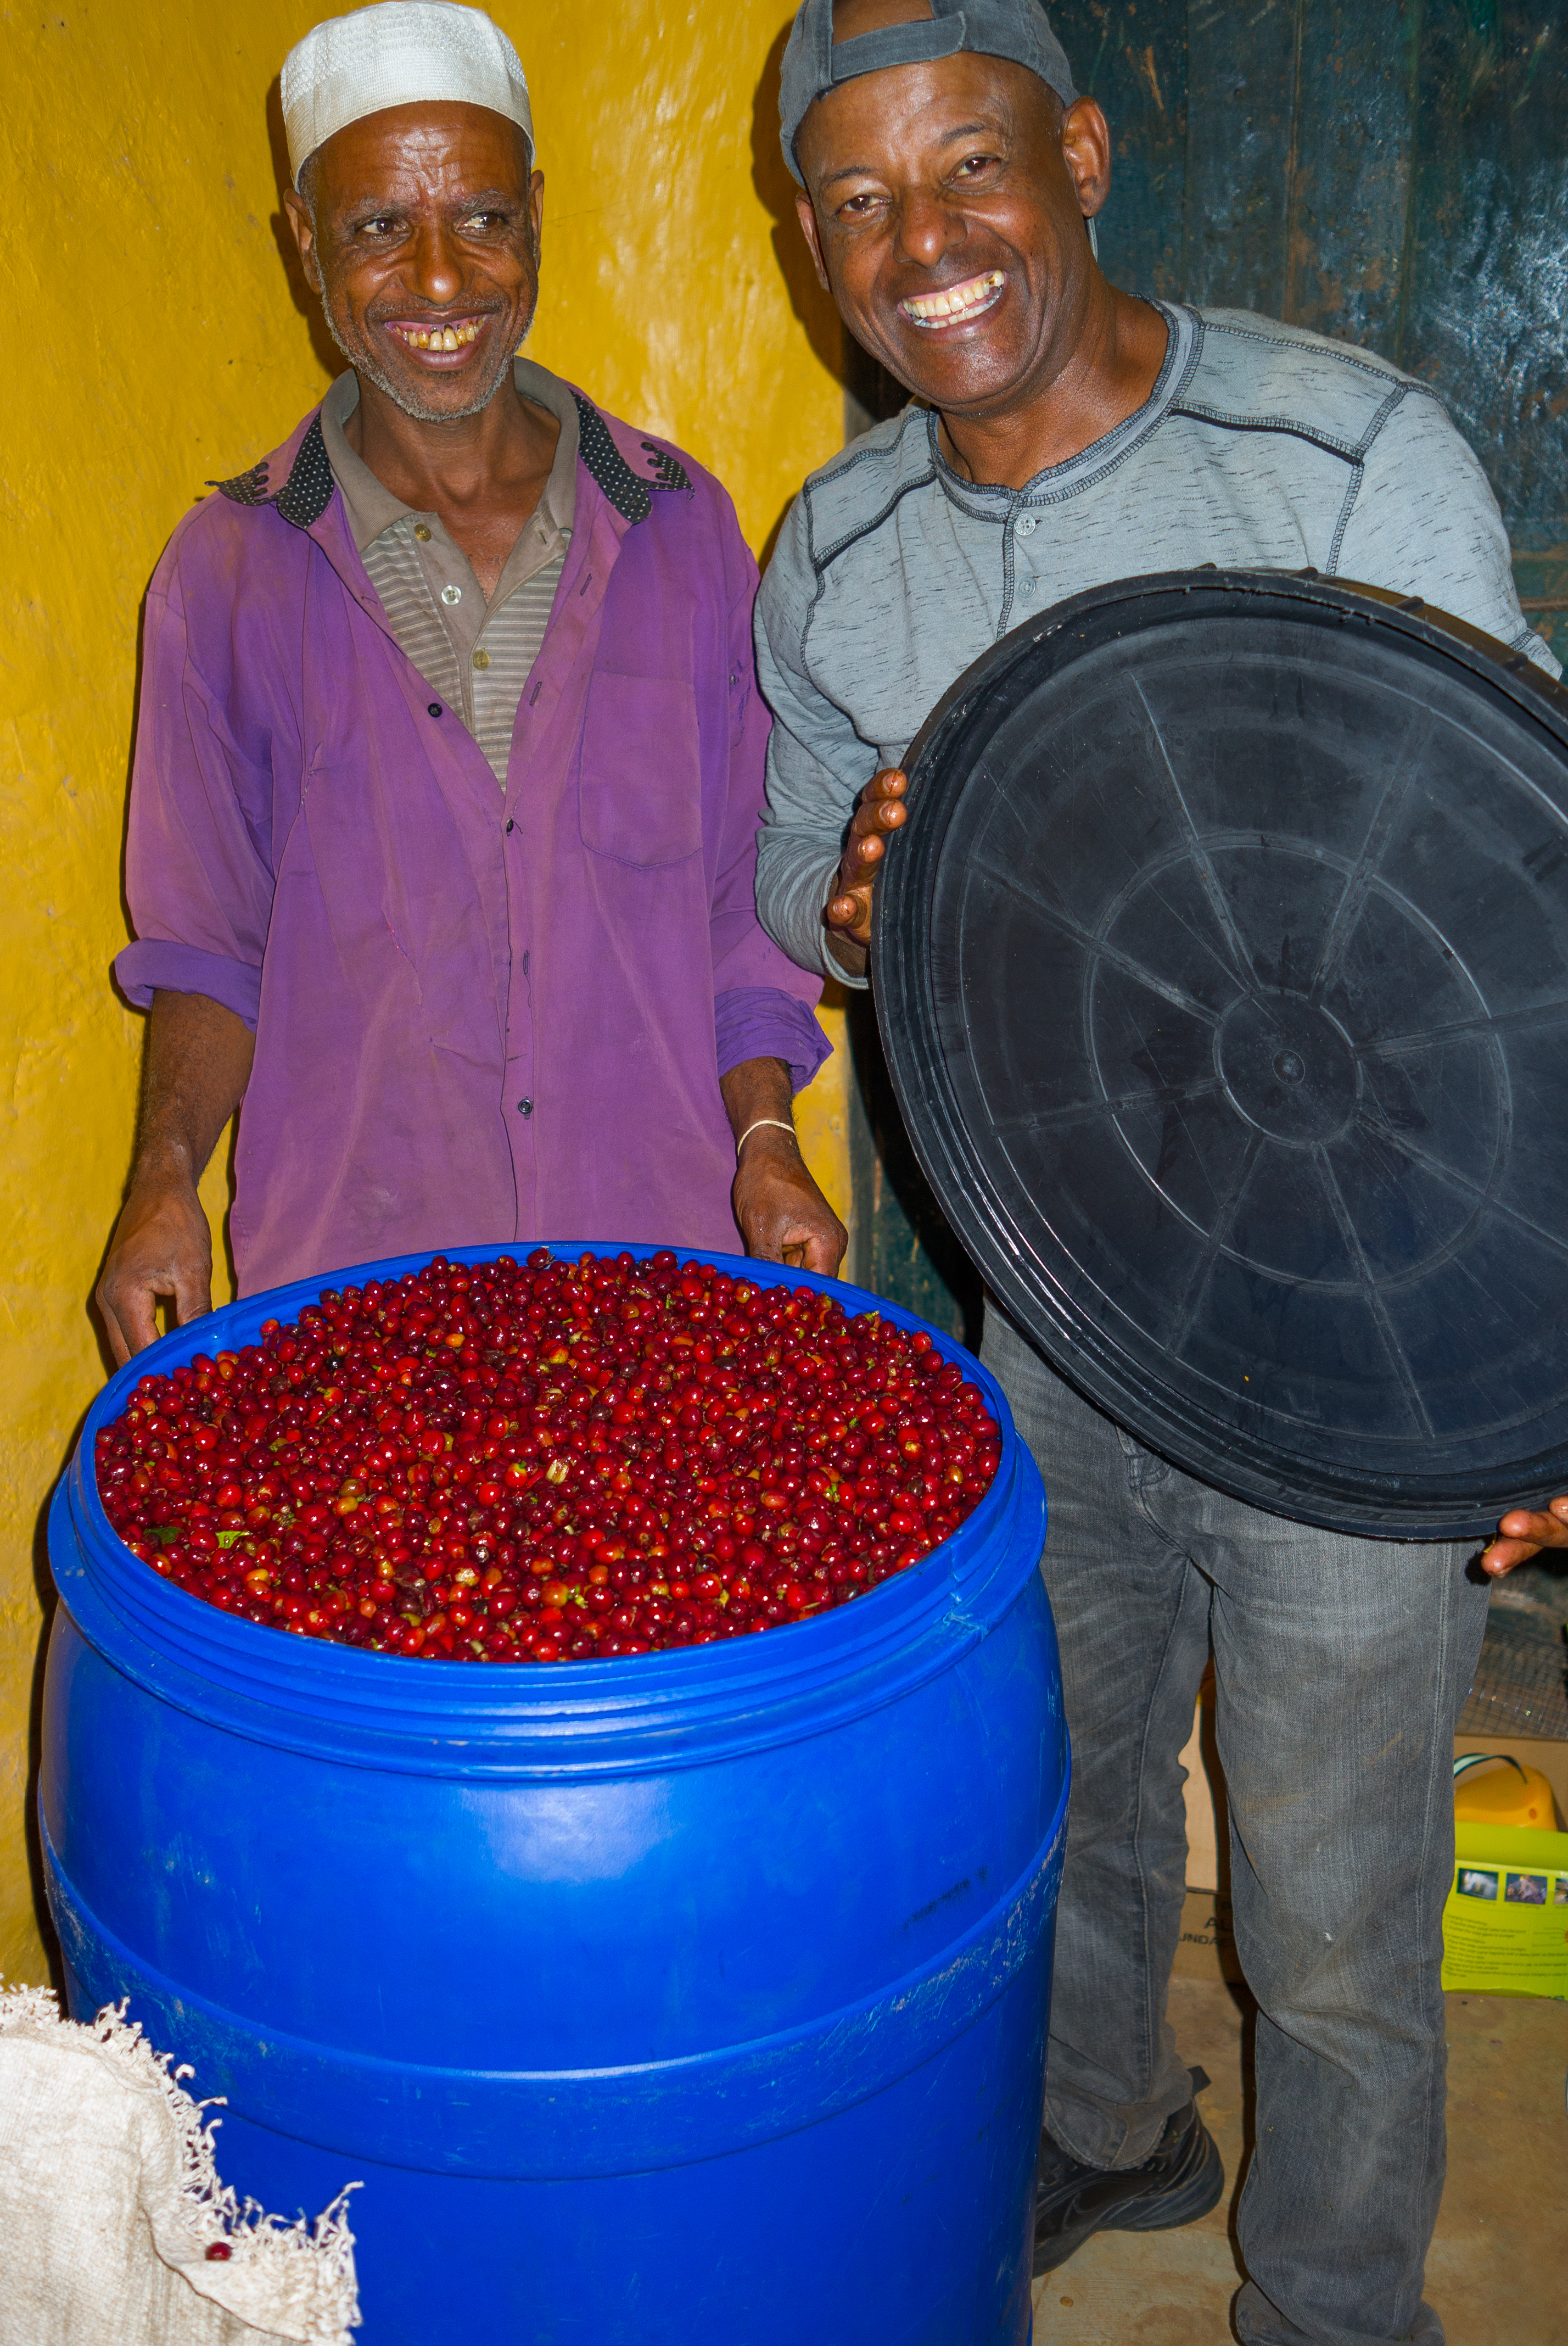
{"x":588,"y":1719}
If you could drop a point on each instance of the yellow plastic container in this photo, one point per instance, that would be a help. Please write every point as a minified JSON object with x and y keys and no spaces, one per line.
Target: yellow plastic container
{"x":1505,"y":1926}
{"x":1507,"y":1793}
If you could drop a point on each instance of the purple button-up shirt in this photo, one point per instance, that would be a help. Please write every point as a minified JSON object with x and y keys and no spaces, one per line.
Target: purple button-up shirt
{"x":478,"y":1017}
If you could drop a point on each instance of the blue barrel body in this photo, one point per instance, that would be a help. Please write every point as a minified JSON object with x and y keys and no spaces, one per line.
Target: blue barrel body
{"x":690,"y":1999}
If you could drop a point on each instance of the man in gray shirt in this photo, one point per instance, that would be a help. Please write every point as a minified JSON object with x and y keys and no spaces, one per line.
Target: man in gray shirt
{"x":1069,"y":434}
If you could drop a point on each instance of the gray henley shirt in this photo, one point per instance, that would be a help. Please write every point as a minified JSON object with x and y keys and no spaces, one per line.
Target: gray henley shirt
{"x":1260,"y":447}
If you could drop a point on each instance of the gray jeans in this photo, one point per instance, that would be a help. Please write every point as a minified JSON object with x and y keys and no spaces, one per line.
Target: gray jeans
{"x":1341,"y":1666}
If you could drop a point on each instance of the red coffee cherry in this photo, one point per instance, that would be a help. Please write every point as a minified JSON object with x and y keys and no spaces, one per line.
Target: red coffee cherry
{"x":527,"y":1462}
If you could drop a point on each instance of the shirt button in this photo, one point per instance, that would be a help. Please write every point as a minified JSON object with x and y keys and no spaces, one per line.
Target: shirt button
{"x":450,"y":594}
{"x":1025,"y":590}
{"x":482,"y":659}
{"x":421,"y":533}
{"x":524,"y":1107}
{"x":511,"y":826}
{"x":1027,"y":527}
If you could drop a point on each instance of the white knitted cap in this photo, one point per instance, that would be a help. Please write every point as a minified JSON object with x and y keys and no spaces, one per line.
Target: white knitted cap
{"x":398,"y":53}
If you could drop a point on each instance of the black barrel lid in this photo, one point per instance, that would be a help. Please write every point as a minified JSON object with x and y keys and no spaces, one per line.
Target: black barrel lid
{"x":1222,"y":971}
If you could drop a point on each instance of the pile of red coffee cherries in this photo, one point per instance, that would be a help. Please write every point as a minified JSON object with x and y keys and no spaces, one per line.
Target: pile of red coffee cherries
{"x":549,"y":1462}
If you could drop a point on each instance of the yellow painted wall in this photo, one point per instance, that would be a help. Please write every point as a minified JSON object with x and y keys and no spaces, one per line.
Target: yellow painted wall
{"x":156,"y":343}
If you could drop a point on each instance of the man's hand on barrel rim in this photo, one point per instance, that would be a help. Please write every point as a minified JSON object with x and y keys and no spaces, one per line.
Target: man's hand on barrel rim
{"x":161,"y":1246}
{"x":783,"y":1216}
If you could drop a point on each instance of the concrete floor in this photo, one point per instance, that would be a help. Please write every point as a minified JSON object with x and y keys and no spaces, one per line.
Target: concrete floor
{"x":1497,"y":2270}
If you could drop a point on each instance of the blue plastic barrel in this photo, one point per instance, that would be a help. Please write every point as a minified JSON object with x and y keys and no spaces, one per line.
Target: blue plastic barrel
{"x":691,"y":1999}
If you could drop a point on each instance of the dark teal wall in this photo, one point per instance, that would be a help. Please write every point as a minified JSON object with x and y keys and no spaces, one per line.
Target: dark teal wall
{"x":1394,"y":172}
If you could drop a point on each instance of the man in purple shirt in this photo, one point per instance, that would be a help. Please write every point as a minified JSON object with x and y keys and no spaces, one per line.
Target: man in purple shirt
{"x":448,"y":766}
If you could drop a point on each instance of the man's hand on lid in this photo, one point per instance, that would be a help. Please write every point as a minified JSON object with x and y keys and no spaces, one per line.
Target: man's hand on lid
{"x":879,"y":810}
{"x":1523,"y":1533}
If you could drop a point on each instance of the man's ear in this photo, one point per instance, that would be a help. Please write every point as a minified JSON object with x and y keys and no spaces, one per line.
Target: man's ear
{"x":805,"y":214}
{"x":304,"y":236}
{"x":1086,"y":151}
{"x":536,"y":212}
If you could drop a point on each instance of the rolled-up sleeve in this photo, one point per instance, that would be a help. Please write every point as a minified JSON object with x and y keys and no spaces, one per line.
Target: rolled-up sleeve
{"x":198,"y":874}
{"x":157,"y":965}
{"x":762,"y":1022}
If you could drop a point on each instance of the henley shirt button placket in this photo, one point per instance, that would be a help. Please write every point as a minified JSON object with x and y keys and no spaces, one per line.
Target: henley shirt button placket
{"x":1026,"y":526}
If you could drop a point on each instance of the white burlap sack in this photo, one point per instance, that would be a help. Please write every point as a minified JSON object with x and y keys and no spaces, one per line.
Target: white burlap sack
{"x":110,"y":2200}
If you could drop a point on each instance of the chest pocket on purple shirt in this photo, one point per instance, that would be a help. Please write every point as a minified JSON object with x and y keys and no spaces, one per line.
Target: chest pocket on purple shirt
{"x":639,"y":787}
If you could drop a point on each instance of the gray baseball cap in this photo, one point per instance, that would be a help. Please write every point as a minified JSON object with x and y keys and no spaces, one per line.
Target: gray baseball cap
{"x":1019,"y":29}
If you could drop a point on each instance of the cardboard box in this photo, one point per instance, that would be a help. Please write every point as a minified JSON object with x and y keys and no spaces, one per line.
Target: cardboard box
{"x":1207,"y":1948}
{"x":1207,"y":1832}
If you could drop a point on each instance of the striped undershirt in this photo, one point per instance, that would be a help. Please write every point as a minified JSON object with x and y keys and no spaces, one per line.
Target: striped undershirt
{"x":507,"y":645}
{"x":475,"y":656}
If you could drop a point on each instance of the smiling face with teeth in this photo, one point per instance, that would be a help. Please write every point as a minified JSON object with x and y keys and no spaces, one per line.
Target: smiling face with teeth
{"x":419,"y":227}
{"x":944,"y":210}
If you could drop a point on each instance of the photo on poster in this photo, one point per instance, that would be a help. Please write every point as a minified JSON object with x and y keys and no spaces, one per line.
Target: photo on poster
{"x":1559,"y":1891}
{"x":1526,"y":1889}
{"x":1474,"y":1884}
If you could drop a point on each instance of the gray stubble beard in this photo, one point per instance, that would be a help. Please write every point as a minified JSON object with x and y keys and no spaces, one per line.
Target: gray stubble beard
{"x":364,"y":364}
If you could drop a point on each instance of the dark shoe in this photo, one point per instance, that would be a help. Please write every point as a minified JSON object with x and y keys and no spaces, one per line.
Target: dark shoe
{"x":1182,"y":2181}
